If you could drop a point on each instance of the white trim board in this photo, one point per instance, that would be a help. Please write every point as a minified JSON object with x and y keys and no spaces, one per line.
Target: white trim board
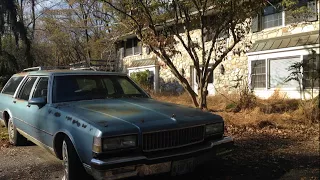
{"x":142,"y":67}
{"x":306,"y":48}
{"x":278,"y":54}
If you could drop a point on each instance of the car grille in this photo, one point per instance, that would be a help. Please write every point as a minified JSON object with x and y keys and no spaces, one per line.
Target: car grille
{"x":172,"y":138}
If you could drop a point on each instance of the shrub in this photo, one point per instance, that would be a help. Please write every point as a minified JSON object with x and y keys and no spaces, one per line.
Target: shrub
{"x":140,"y":77}
{"x":247,"y":99}
{"x":309,"y":111}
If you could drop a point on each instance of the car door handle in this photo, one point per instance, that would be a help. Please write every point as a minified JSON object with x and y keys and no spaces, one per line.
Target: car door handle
{"x":28,"y":105}
{"x":14,"y":101}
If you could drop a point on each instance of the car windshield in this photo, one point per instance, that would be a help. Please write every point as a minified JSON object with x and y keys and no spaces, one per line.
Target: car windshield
{"x":88,"y":87}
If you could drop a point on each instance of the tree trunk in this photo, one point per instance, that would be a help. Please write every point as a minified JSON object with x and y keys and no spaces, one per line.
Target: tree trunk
{"x":33,"y":18}
{"x":202,"y":96}
{"x":190,"y":91}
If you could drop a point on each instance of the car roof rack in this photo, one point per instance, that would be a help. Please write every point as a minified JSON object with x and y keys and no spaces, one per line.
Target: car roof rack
{"x":40,"y":68}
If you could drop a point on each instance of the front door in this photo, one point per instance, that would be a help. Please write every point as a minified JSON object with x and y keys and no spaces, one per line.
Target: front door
{"x":211,"y":89}
{"x":32,"y":117}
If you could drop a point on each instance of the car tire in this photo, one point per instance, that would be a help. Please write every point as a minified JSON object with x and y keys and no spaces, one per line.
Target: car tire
{"x":72,"y":166}
{"x":15,"y":138}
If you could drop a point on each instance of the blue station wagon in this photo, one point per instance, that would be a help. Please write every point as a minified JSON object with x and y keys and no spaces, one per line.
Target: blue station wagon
{"x":102,"y":124}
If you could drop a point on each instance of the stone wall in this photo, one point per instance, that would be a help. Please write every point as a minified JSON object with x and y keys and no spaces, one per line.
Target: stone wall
{"x":236,"y":67}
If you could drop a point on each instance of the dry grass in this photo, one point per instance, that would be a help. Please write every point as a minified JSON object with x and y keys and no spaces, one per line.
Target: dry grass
{"x":3,"y":133}
{"x":277,"y":111}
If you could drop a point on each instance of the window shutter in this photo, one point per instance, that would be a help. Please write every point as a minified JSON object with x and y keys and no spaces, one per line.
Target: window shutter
{"x":312,"y":5}
{"x":255,"y":24}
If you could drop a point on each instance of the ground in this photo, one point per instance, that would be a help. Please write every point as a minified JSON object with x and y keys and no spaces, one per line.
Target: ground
{"x":261,"y":152}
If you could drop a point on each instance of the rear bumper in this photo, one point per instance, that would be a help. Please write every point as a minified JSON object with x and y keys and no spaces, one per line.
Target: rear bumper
{"x":142,"y":165}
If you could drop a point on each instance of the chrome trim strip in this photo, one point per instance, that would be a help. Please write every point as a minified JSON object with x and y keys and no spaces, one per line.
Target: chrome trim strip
{"x":87,"y":168}
{"x":99,"y":162}
{"x":224,"y":140}
{"x":174,"y":129}
{"x":118,"y":161}
{"x":33,"y":126}
{"x":36,"y":141}
{"x":1,"y":115}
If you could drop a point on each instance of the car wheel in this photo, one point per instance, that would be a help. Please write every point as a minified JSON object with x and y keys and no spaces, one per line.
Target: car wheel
{"x":15,"y":138}
{"x":72,"y":166}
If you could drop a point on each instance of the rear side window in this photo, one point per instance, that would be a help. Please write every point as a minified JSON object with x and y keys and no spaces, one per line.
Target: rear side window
{"x":12,"y":85}
{"x":26,"y":90}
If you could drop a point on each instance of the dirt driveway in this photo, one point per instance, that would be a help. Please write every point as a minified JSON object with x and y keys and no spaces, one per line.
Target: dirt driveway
{"x":268,"y":153}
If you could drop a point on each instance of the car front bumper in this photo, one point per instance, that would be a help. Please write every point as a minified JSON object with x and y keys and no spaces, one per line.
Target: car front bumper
{"x":123,"y":167}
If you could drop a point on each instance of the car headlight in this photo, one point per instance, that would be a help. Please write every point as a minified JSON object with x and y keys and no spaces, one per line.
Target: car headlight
{"x":121,"y":142}
{"x":214,"y":128}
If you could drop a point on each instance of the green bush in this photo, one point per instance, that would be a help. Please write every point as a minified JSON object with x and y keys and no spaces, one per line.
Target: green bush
{"x":140,"y":78}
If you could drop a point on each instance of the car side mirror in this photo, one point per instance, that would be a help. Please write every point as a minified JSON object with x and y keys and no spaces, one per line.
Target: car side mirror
{"x":40,"y":101}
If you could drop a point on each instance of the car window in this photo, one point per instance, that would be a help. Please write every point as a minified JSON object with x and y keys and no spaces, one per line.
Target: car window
{"x":12,"y":85}
{"x":109,"y":85}
{"x":128,"y":87}
{"x":86,"y":84}
{"x":41,"y":89}
{"x":88,"y":87}
{"x":27,"y":87}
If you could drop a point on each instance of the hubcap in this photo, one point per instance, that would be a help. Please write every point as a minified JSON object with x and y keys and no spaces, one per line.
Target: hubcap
{"x":11,"y":131}
{"x":65,"y":160}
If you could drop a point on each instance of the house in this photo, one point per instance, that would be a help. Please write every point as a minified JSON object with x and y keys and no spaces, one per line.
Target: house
{"x":279,"y":41}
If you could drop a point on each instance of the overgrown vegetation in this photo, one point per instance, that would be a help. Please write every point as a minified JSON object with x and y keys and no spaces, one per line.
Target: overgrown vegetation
{"x":277,"y":110}
{"x":140,"y":77}
{"x":3,"y":133}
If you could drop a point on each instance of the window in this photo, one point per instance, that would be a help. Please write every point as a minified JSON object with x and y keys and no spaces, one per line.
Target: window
{"x":258,"y":74}
{"x":129,"y":45}
{"x":42,"y":88}
{"x":272,"y":17}
{"x":12,"y":85}
{"x":128,"y":87}
{"x":279,"y":72}
{"x":313,"y":14}
{"x":136,"y":46}
{"x":88,"y":87}
{"x":26,"y":90}
{"x":109,"y":86}
{"x":132,"y":47}
{"x":311,"y":69}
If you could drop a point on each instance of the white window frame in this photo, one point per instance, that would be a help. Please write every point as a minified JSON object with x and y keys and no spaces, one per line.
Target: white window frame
{"x":154,"y":68}
{"x":260,"y":21}
{"x":278,"y":53}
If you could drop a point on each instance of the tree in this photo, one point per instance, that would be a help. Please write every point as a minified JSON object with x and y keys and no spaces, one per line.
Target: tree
{"x":15,"y":40}
{"x":77,"y":31}
{"x":11,"y":20}
{"x":158,"y":25}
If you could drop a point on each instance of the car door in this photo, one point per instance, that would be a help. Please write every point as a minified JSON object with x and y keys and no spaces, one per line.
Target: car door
{"x":29,"y":116}
{"x":42,"y":119}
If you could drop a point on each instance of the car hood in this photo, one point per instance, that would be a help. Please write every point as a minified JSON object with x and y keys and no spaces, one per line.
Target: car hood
{"x":144,"y":114}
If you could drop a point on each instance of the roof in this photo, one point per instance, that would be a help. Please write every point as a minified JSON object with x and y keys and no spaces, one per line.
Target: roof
{"x":301,"y":39}
{"x":67,"y":72}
